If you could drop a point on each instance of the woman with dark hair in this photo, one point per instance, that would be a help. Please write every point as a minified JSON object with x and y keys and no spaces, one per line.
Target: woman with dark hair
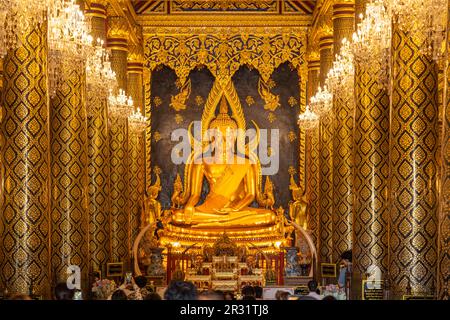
{"x":181,"y":290}
{"x":119,"y":295}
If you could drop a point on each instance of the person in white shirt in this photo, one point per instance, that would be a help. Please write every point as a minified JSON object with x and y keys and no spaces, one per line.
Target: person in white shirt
{"x":312,"y":286}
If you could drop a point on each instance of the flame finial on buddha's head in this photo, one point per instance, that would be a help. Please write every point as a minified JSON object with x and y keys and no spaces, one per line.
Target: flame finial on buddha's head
{"x":223,"y":120}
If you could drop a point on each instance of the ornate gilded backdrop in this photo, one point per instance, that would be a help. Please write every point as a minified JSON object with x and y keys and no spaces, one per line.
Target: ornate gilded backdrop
{"x":69,"y":233}
{"x":413,"y":167}
{"x":223,"y":54}
{"x":167,"y":117}
{"x":25,"y":163}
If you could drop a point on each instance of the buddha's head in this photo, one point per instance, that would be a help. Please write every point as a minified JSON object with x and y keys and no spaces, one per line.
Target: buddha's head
{"x":224,"y":126}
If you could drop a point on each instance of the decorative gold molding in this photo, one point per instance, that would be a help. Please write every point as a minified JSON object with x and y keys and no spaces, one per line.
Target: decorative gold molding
{"x":220,"y":24}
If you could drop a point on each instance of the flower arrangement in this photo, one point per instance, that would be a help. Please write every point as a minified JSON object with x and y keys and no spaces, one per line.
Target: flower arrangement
{"x":103,"y":288}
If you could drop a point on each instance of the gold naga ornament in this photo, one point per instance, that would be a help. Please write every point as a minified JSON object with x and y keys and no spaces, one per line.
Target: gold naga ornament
{"x":297,"y":207}
{"x":152,"y":208}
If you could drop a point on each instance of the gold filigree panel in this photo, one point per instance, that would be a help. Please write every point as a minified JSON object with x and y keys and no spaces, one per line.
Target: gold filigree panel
{"x":223,"y":54}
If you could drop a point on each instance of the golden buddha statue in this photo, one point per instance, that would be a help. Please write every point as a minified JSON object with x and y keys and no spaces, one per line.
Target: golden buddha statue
{"x":234,"y":184}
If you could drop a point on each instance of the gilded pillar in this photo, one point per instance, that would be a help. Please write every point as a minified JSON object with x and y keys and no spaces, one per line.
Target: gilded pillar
{"x":343,"y":27}
{"x":370,"y":224}
{"x":98,"y":158}
{"x":312,"y":155}
{"x":69,"y":198}
{"x":444,"y":214}
{"x":413,"y":147}
{"x":326,"y":158}
{"x":136,"y":143}
{"x":25,"y":168}
{"x":118,"y":144}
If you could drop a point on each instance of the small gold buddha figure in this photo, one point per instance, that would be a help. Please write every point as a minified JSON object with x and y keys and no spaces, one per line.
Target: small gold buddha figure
{"x":233,"y":183}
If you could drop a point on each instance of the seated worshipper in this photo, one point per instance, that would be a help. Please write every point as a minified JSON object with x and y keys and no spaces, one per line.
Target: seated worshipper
{"x":248,"y":298}
{"x":329,"y":298}
{"x":282,"y":295}
{"x":248,"y":291}
{"x":181,"y":290}
{"x":119,"y":295}
{"x":346,"y":266}
{"x":62,"y":292}
{"x":141,"y":282}
{"x":211,"y":295}
{"x":258,"y":292}
{"x":312,"y":287}
{"x":152,"y":296}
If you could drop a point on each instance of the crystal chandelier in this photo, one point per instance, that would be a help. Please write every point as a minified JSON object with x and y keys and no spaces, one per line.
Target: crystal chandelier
{"x":120,"y":106}
{"x":69,"y":41}
{"x":137,"y":121}
{"x":340,"y":78}
{"x":322,"y":102}
{"x":372,"y":40}
{"x":425,"y":19}
{"x":100,"y":78}
{"x":308,"y":119}
{"x":16,"y":18}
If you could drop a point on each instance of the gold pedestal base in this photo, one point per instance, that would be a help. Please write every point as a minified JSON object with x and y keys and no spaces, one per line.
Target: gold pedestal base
{"x":263,"y":238}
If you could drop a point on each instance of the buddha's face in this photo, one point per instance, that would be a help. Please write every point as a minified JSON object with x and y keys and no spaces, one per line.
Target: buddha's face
{"x":223,"y":140}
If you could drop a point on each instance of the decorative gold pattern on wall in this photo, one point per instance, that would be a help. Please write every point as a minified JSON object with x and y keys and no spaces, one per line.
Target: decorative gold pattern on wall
{"x":178,"y":102}
{"x":136,"y":157}
{"x":148,"y":130}
{"x":370,"y":224}
{"x":343,"y":27}
{"x":118,"y":148}
{"x":119,"y":190}
{"x":98,"y":164}
{"x":25,"y":168}
{"x":326,"y":129}
{"x":312,"y":160}
{"x":223,"y":54}
{"x":69,"y":176}
{"x":414,"y":119}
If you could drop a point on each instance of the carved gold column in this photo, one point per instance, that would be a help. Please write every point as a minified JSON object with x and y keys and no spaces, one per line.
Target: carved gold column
{"x":326,"y":130}
{"x":69,"y":234}
{"x":444,"y":215}
{"x":370,"y":224}
{"x":25,"y":166}
{"x":413,"y":147}
{"x":118,"y":142}
{"x":343,"y":27}
{"x":136,"y":143}
{"x":312,"y":155}
{"x":98,"y":158}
